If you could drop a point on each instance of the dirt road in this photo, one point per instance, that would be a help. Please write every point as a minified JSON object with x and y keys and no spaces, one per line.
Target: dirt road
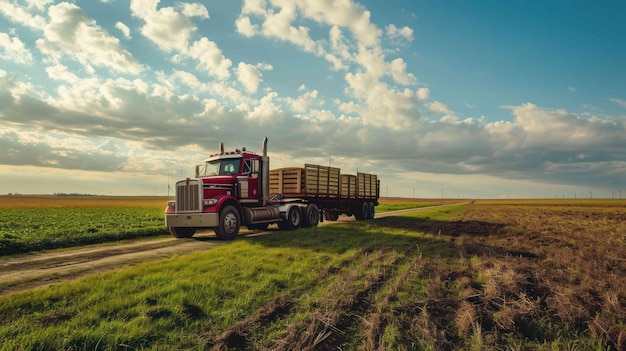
{"x":29,"y":271}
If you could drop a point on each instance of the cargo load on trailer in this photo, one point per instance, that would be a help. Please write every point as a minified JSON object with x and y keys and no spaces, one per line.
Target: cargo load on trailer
{"x":332,"y":191}
{"x":238,"y":188}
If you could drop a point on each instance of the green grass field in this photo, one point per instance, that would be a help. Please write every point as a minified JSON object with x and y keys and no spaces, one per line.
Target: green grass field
{"x":33,"y":229}
{"x":49,"y":222}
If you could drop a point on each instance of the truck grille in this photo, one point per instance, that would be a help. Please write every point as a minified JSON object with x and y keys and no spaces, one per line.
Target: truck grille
{"x":189,"y":196}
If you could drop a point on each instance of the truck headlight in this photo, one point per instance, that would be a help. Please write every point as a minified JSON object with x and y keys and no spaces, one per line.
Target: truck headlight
{"x":209,"y":202}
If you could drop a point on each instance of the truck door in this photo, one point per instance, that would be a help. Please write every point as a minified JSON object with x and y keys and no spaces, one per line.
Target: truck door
{"x":249,"y":181}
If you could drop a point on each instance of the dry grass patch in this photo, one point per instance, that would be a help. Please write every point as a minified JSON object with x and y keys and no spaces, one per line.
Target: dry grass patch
{"x":551,"y":264}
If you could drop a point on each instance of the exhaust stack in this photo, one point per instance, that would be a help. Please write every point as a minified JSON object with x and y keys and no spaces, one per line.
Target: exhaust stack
{"x":264,"y":147}
{"x":265,"y":174}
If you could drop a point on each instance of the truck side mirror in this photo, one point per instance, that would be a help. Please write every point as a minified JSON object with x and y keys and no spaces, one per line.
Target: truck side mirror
{"x":197,"y":171}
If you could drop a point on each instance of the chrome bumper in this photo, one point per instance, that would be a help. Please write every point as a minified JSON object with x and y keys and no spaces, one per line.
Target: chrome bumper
{"x":197,"y":220}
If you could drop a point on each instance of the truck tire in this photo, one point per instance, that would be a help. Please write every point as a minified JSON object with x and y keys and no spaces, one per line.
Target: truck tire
{"x":182,"y":232}
{"x":293,"y":221}
{"x":372,"y":210}
{"x":362,"y":212}
{"x":230,"y":221}
{"x":311,"y":216}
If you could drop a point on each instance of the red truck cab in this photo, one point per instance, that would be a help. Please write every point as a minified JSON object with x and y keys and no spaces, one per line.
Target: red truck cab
{"x":228,"y":190}
{"x":233,"y":173}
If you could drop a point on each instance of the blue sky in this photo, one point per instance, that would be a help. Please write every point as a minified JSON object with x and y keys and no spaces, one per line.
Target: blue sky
{"x":473,"y":99}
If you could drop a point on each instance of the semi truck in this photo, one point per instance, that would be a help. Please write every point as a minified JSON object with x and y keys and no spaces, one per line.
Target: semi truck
{"x":237,"y":188}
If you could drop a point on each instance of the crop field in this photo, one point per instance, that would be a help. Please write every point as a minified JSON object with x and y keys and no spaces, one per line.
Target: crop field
{"x":488,"y":275}
{"x":32,"y":223}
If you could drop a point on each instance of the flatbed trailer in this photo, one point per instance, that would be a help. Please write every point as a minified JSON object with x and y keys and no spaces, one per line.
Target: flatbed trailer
{"x":332,"y":192}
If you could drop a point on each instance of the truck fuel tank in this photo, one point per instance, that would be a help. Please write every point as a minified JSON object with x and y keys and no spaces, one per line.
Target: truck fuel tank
{"x":260,"y":214}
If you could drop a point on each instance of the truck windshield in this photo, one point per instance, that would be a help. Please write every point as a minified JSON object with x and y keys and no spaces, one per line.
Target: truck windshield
{"x":220,"y":167}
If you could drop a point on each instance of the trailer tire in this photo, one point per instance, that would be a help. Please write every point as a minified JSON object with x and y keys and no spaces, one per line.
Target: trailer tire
{"x":311,"y":216}
{"x":230,"y":221}
{"x":363,"y":212}
{"x":182,"y":232}
{"x":293,"y":220}
{"x":372,"y":210}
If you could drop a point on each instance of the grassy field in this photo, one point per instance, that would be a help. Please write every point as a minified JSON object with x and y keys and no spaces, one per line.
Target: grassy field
{"x":491,"y":275}
{"x":32,"y":223}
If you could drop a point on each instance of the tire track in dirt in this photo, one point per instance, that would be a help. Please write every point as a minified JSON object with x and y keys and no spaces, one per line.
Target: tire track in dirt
{"x":34,"y":270}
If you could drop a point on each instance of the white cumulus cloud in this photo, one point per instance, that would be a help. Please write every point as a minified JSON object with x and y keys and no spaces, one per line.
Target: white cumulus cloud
{"x":245,"y":27}
{"x":438,"y":107}
{"x":395,"y":33}
{"x":13,"y":49}
{"x":194,"y":10}
{"x":123,"y":28}
{"x":249,"y":76}
{"x":71,"y":33}
{"x":210,"y":58}
{"x":423,"y":93}
{"x":166,"y":27}
{"x":21,"y":15}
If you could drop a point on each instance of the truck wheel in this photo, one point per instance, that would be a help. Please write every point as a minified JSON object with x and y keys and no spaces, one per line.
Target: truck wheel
{"x":362,"y":213}
{"x":311,"y":216}
{"x":229,"y":223}
{"x":372,"y":210}
{"x":293,"y":221}
{"x":182,"y":232}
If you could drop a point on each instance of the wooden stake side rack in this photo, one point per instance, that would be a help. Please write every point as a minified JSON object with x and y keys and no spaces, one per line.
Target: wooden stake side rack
{"x":315,"y":181}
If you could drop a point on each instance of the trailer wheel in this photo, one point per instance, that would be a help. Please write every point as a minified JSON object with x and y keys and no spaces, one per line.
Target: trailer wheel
{"x":311,"y":216}
{"x":293,"y":221}
{"x":182,"y":232}
{"x":372,"y":210}
{"x":362,"y":213}
{"x":229,"y":223}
